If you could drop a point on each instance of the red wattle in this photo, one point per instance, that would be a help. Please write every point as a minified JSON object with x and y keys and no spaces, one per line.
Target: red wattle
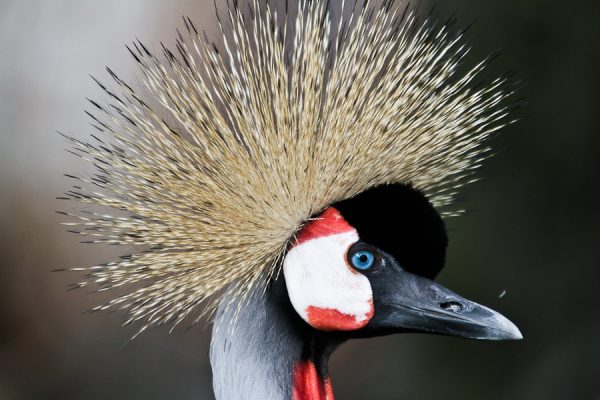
{"x":329,"y":222}
{"x":308,"y":384}
{"x":329,"y":319}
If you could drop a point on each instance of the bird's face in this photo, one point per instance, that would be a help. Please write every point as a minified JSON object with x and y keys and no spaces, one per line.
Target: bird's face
{"x":365,"y":266}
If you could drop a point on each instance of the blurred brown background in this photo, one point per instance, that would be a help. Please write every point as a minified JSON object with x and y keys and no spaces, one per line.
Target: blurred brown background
{"x":534,"y":230}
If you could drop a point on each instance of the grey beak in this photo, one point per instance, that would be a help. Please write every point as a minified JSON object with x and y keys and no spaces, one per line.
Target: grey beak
{"x":412,"y":303}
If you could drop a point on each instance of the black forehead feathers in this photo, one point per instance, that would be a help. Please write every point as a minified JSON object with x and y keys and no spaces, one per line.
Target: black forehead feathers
{"x":401,"y":221}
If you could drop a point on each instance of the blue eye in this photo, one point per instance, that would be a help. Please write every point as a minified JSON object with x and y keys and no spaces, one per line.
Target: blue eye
{"x":362,"y":260}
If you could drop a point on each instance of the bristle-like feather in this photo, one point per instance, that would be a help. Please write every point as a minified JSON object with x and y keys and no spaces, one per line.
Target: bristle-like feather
{"x":234,"y":146}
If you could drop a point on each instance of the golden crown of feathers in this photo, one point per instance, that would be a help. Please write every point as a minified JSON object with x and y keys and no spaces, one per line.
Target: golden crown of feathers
{"x":212,"y":165}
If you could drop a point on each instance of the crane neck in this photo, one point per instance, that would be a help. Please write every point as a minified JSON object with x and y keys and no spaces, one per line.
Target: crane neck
{"x":269,"y":353}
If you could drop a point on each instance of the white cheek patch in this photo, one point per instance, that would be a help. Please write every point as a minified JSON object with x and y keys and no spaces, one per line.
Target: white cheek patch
{"x":323,"y":289}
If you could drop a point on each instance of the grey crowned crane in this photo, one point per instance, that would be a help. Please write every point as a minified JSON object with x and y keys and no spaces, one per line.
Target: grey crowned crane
{"x":290,"y":183}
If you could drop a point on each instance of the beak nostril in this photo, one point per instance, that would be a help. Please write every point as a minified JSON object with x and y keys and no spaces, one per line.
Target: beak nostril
{"x":452,"y":306}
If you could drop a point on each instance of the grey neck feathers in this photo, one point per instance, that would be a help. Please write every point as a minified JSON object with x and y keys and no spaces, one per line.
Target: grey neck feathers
{"x":254,"y":359}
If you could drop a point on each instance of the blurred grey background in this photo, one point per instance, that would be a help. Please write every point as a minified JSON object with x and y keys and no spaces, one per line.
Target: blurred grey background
{"x":533,"y":231}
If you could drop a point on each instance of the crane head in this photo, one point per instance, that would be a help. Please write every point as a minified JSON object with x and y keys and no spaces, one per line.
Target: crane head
{"x":232,"y":156}
{"x":366,"y":266}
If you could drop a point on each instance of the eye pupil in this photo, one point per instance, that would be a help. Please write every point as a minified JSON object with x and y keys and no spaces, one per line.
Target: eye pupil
{"x":362,"y":260}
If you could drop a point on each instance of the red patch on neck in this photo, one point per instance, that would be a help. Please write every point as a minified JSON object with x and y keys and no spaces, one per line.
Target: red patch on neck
{"x":330,"y":222}
{"x":308,"y":384}
{"x":329,"y":319}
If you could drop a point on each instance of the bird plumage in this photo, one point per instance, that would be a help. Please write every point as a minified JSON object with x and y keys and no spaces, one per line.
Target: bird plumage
{"x":221,"y":154}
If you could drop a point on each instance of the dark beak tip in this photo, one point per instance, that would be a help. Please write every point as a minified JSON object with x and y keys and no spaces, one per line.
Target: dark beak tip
{"x":501,"y":328}
{"x":503,"y":336}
